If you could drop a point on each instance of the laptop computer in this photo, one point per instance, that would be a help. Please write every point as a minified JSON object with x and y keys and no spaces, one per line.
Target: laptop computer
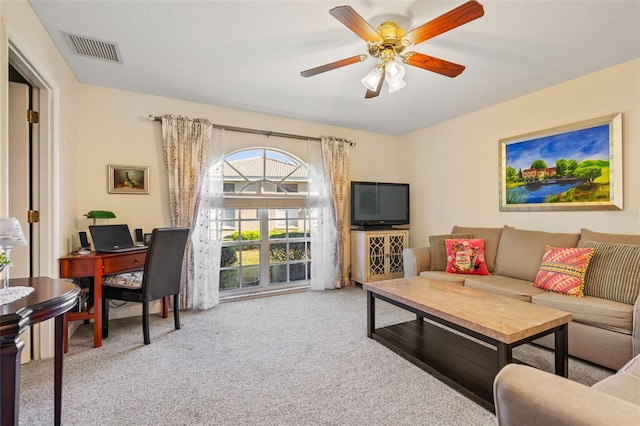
{"x":113,"y":238}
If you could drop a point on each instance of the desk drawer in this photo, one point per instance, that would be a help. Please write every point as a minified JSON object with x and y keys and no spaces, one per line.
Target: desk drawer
{"x":125,"y":262}
{"x":77,"y":267}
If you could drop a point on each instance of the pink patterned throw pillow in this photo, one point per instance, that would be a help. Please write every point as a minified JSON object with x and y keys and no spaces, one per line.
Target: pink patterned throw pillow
{"x":466,"y":256}
{"x":563,"y":269}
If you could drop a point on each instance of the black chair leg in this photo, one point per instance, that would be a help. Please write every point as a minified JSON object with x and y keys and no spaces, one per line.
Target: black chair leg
{"x":145,"y":322}
{"x":105,"y":318}
{"x":176,"y":312}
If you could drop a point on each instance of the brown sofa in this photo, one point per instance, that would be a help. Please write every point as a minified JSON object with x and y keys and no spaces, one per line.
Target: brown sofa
{"x":526,"y":396}
{"x":603,"y":331}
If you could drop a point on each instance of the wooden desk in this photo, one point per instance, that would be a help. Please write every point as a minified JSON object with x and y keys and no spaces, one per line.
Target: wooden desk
{"x":50,"y":299}
{"x":96,"y":264}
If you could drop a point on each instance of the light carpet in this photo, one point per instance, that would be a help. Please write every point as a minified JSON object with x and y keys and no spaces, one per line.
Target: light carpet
{"x":295,"y":359}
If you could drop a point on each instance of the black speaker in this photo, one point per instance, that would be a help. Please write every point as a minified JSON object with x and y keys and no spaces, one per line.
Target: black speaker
{"x":84,"y":242}
{"x":139,"y":235}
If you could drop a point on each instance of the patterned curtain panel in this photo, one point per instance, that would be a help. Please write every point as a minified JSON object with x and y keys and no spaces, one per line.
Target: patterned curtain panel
{"x":329,"y":187}
{"x":207,"y":234}
{"x":188,"y":144}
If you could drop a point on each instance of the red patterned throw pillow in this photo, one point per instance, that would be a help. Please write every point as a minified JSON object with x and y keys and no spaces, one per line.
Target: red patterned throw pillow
{"x":466,"y":256}
{"x":563,"y":269}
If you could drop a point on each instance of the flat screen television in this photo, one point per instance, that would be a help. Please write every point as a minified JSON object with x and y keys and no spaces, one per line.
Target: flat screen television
{"x":379,"y":204}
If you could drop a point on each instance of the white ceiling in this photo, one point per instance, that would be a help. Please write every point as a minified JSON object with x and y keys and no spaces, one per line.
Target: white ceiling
{"x":248,"y":54}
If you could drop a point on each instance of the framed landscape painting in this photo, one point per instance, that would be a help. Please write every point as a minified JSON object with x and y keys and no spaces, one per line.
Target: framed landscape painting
{"x":128,"y":179}
{"x":573,"y":167}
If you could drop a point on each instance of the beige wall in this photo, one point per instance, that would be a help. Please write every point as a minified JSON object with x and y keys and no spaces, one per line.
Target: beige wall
{"x":114,"y":129}
{"x":24,"y":40}
{"x":100,"y":126}
{"x":22,"y":30}
{"x":453,"y":166}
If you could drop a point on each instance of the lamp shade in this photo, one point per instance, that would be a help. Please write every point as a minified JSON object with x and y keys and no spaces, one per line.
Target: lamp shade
{"x":370,"y":81}
{"x":11,"y":232}
{"x":393,"y":76}
{"x":101,"y":214}
{"x":396,"y":84}
{"x":394,"y":70}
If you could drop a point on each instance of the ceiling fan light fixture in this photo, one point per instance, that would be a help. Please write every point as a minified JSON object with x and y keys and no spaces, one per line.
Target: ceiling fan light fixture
{"x":395,"y":84}
{"x":393,"y":76}
{"x":388,"y":41}
{"x":395,"y":70}
{"x":370,"y":81}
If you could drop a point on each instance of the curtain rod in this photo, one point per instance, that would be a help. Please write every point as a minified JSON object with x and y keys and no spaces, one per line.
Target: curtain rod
{"x":256,"y":131}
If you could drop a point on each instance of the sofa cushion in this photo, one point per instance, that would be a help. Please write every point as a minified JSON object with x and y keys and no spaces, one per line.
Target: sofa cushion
{"x":505,"y":286}
{"x":415,"y":259}
{"x":443,"y":276}
{"x":520,"y":252}
{"x":587,"y":235}
{"x":625,"y":384}
{"x":527,"y":396}
{"x":563,"y":269}
{"x":466,"y":256}
{"x":590,"y":310}
{"x":632,"y":368}
{"x":491,"y":237}
{"x":438,"y":250}
{"x":614,"y":272}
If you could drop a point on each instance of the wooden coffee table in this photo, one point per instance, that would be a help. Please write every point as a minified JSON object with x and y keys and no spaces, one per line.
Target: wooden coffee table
{"x":480,"y":330}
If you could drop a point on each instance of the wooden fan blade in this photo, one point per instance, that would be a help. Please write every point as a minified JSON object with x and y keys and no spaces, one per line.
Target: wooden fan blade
{"x":430,"y":63}
{"x":333,"y":65}
{"x":454,"y":18}
{"x":371,"y":94}
{"x":356,"y":23}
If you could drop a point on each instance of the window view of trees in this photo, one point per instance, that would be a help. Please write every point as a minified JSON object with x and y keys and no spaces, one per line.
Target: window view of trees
{"x":289,"y":258}
{"x":266,"y":242}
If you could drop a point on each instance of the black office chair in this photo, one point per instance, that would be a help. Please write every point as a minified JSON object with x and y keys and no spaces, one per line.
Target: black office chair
{"x":160,"y":278}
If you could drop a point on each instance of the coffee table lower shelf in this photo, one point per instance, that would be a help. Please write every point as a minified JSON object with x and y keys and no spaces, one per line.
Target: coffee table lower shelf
{"x":460,"y":362}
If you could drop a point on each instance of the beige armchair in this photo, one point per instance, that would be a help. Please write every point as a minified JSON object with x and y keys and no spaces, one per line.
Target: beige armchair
{"x":527,"y":396}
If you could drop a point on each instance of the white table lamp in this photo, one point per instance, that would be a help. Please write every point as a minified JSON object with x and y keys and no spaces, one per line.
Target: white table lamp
{"x":10,"y":235}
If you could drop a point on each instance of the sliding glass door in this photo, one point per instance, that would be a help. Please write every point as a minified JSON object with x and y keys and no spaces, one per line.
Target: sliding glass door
{"x":266,"y":226}
{"x":261,"y":251}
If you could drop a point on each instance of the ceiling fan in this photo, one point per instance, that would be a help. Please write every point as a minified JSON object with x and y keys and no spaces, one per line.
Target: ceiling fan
{"x":389,"y":41}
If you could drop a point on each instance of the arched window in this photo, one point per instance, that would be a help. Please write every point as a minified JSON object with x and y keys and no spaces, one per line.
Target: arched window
{"x":266,"y":225}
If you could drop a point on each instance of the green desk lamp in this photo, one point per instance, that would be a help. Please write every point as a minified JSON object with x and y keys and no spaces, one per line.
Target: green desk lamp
{"x":100,"y":214}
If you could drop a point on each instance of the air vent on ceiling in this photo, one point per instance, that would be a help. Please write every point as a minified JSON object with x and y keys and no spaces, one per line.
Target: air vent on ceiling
{"x":95,"y":48}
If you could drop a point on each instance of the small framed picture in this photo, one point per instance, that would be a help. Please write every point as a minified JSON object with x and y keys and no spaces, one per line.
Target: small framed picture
{"x":128,"y":179}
